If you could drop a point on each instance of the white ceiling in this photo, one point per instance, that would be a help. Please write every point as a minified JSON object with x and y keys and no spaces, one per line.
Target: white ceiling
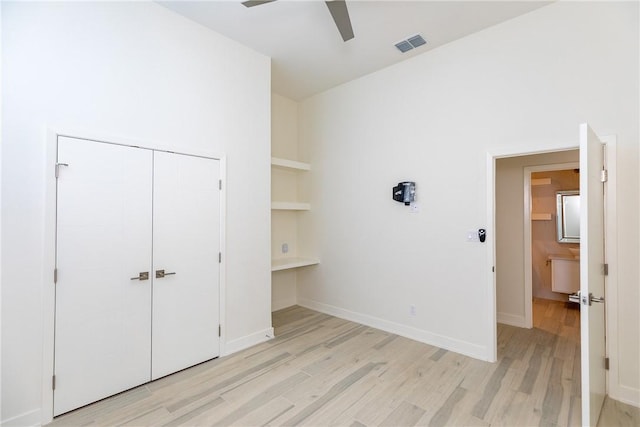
{"x":308,"y":54}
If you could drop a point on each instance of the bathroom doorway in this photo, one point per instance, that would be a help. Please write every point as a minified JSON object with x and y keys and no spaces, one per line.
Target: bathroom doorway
{"x":514,"y":267}
{"x":552,"y":261}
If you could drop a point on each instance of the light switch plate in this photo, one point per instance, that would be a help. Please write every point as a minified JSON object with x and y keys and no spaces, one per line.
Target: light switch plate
{"x":472,"y":236}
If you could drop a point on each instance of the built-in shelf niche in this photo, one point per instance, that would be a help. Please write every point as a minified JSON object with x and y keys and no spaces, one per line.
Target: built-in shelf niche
{"x":290,"y":164}
{"x":540,"y":181}
{"x":291,"y":262}
{"x":278,"y":264}
{"x":541,"y":217}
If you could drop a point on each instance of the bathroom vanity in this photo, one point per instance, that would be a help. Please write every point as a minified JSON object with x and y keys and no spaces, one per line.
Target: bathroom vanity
{"x":565,"y":274}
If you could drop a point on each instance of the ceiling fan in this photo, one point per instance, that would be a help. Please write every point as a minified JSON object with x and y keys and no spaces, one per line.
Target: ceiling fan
{"x":338,"y":9}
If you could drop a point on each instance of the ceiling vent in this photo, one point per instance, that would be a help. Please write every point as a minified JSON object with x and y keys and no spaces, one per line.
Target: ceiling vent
{"x":410,"y":43}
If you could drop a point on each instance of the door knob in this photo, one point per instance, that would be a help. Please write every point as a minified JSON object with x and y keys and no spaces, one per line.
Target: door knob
{"x":595,"y":299}
{"x":588,"y":300}
{"x":160,"y":274}
{"x":144,"y":275}
{"x":575,"y":297}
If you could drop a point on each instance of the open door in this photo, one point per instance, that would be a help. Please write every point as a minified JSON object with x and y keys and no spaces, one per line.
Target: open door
{"x":592,"y":304}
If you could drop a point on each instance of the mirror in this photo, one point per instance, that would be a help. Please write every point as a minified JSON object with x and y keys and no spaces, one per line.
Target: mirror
{"x":568,"y":216}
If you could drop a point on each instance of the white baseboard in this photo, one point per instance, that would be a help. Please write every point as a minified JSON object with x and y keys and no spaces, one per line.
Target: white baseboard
{"x":247,"y":341}
{"x":283,"y":303}
{"x":31,"y":418}
{"x":462,"y":347}
{"x":624,"y":394}
{"x":511,"y":319}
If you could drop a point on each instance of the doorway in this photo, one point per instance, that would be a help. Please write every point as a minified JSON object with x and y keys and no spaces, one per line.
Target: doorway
{"x":137,"y":282}
{"x":598,"y":159}
{"x":514,"y":285}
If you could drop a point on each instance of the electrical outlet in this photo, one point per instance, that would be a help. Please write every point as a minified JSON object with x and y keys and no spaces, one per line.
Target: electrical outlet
{"x":412,"y":310}
{"x":285,"y":248}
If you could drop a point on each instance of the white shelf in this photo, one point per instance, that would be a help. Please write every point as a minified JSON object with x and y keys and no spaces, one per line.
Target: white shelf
{"x":541,"y":181}
{"x":541,"y":217}
{"x":290,"y":206}
{"x":279,"y":264}
{"x":290,"y":164}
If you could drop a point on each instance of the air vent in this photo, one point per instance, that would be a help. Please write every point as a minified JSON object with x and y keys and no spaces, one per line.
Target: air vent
{"x":404,"y":46}
{"x":410,"y":43}
{"x":416,"y":40}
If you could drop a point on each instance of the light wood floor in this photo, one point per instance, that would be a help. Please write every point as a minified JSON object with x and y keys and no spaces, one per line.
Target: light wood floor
{"x":321,"y":370}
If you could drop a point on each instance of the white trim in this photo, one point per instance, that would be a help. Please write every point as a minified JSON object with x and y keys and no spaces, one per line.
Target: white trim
{"x":492,"y":320}
{"x":615,"y":389}
{"x":528,"y":267}
{"x":223,"y":249}
{"x":458,"y":346}
{"x":628,"y":395}
{"x":512,"y":319}
{"x":247,"y":341}
{"x":132,"y":142}
{"x":31,"y":418}
{"x":48,"y":291}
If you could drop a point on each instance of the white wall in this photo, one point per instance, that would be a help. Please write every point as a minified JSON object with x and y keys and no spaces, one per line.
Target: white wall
{"x":525,"y":84}
{"x":133,"y":70}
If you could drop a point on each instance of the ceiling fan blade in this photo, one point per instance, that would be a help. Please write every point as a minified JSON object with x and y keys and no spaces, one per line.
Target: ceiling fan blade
{"x":340,"y":14}
{"x":252,"y":3}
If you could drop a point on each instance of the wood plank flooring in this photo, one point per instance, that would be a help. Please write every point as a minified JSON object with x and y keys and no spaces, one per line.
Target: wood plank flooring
{"x":321,"y":370}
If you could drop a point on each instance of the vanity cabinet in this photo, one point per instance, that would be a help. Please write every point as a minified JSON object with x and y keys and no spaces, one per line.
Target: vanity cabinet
{"x":565,"y":275}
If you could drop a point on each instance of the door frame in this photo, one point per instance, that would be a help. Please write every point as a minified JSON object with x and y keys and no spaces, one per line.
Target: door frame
{"x":49,"y":252}
{"x":528,"y":240}
{"x":611,"y":288}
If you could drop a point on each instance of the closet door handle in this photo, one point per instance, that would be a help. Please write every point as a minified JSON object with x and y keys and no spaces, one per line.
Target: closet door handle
{"x":160,"y":274}
{"x":144,"y":275}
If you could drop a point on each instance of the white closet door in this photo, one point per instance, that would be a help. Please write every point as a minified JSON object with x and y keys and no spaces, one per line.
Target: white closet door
{"x":103,"y":318}
{"x":186,"y":243}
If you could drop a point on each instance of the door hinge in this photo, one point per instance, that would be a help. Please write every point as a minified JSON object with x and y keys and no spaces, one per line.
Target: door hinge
{"x":606,"y":363}
{"x":55,"y":276}
{"x":605,"y":269}
{"x":219,"y":257}
{"x":604,"y":175}
{"x":220,"y":184}
{"x":53,"y":382}
{"x":219,"y":330}
{"x":58,"y":168}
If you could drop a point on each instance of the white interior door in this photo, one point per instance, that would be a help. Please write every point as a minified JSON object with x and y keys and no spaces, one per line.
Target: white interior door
{"x":103,"y":317}
{"x":186,"y":229}
{"x":592,"y":306}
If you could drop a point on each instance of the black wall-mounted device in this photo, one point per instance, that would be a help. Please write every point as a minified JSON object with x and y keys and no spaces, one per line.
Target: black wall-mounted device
{"x":405,"y":192}
{"x":482,"y":234}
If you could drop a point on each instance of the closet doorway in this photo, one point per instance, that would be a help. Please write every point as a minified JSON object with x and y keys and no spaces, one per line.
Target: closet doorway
{"x":137,"y":267}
